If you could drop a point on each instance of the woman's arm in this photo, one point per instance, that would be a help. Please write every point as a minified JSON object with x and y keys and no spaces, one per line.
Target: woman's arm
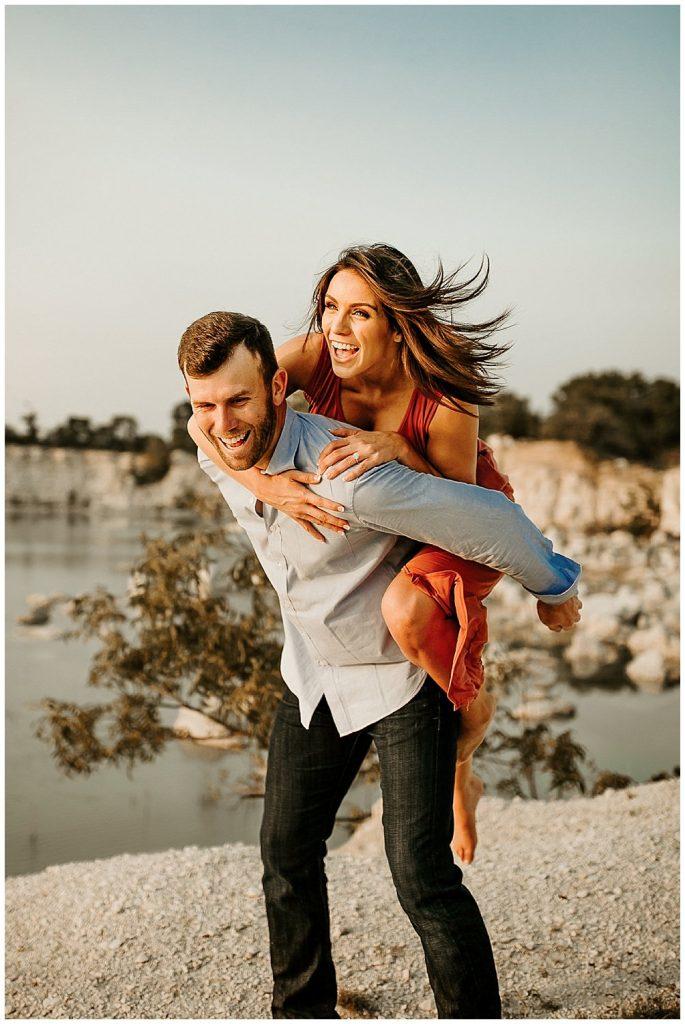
{"x":453,"y":452}
{"x":453,"y":443}
{"x":299,"y":357}
{"x":452,"y":448}
{"x":286,"y":491}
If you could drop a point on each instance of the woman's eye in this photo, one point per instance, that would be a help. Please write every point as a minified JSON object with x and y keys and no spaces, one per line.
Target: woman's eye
{"x":362,"y":313}
{"x":329,"y":305}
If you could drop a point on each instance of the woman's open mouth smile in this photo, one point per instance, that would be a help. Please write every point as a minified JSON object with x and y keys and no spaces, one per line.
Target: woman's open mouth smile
{"x":343,"y":352}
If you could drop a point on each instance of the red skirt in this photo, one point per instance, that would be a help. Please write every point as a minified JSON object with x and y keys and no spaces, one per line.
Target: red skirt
{"x":458,"y":588}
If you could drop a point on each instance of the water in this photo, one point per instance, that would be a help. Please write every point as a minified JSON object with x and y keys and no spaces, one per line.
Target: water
{"x":187,"y":795}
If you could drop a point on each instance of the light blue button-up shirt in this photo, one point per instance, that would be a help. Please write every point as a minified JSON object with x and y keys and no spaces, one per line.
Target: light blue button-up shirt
{"x":336,"y":642}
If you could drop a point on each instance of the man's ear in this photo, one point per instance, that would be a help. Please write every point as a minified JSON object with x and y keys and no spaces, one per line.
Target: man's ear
{"x":279,"y":386}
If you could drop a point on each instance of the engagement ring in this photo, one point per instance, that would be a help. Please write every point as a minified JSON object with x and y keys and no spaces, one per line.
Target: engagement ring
{"x":356,"y":456}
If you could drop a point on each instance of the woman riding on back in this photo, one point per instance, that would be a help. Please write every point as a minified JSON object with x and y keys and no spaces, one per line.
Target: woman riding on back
{"x":387,"y":354}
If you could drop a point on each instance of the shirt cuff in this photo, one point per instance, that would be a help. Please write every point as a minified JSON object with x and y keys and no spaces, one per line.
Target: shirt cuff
{"x":571,"y":591}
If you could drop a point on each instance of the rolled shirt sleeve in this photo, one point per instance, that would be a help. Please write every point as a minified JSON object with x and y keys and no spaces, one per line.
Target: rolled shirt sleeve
{"x":473,"y":522}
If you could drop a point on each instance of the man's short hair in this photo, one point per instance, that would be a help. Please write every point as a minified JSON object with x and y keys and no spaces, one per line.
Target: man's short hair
{"x":211,"y":340}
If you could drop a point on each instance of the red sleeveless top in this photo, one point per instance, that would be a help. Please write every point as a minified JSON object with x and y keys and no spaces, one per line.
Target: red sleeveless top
{"x":457,"y":586}
{"x":323,"y":395}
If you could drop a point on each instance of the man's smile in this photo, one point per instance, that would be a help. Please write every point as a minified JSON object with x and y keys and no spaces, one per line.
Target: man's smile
{"x":235,"y":441}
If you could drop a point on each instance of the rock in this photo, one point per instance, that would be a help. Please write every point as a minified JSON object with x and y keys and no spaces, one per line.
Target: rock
{"x":600,"y":616}
{"x":652,"y":638}
{"x":648,"y":671}
{"x":670,"y":502}
{"x":40,"y":608}
{"x":588,"y":656}
{"x":194,"y":725}
{"x":38,"y":616}
{"x":652,"y":596}
{"x":364,"y":839}
{"x":542,"y":710}
{"x":627,"y":602}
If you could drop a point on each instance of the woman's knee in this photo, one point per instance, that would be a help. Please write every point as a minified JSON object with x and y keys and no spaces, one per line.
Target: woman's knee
{"x":409,"y":614}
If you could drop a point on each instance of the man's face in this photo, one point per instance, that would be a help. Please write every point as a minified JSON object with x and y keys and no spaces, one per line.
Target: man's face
{"x":235,"y":409}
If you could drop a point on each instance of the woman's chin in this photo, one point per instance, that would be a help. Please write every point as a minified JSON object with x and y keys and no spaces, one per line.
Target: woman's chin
{"x":345,"y":367}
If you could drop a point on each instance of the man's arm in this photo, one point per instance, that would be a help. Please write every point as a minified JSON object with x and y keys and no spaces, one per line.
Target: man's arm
{"x":475,"y":523}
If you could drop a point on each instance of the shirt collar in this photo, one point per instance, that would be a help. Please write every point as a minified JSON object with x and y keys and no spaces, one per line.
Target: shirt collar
{"x":286,"y":447}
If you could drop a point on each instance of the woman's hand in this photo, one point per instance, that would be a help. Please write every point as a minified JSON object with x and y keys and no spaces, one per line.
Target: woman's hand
{"x":560,"y":616}
{"x":289,"y":494}
{"x":360,"y":450}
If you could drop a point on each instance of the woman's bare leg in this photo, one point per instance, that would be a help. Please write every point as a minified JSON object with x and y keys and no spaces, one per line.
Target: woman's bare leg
{"x":427,"y":637}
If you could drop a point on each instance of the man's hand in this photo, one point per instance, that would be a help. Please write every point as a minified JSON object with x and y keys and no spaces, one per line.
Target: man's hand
{"x":560,"y":616}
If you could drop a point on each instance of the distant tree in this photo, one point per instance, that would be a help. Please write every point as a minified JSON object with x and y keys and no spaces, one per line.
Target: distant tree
{"x":76,"y":432}
{"x":617,"y":415}
{"x":175,"y":641}
{"x":13,"y":436}
{"x":180,"y":438}
{"x":31,"y":422}
{"x":123,"y":431}
{"x":511,"y":414}
{"x":119,"y":435}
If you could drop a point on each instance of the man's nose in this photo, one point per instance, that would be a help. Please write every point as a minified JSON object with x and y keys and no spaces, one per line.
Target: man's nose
{"x":225,"y":421}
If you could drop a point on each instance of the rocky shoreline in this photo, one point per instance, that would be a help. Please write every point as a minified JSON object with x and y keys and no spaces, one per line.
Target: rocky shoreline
{"x":560,"y":486}
{"x":580,"y":896}
{"x":630,"y":624}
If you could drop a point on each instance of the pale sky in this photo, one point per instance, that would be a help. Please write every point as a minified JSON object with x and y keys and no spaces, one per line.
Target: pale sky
{"x":163,"y":162}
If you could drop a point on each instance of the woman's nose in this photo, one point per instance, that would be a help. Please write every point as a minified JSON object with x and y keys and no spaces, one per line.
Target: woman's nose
{"x":339,"y":325}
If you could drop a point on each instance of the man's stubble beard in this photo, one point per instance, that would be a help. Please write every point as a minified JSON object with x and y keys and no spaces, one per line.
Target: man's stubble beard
{"x":259,"y":443}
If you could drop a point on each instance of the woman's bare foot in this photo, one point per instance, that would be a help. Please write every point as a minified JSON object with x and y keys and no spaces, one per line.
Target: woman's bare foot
{"x":474,"y":724}
{"x":468,"y":789}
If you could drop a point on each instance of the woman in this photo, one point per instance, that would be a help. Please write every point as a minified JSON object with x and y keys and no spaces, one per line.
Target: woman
{"x":383,"y":352}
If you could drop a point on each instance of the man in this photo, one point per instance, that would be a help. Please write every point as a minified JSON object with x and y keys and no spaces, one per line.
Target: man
{"x":347,"y":682}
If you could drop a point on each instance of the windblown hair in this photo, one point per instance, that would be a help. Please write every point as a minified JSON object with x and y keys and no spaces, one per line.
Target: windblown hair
{"x":441,"y":356}
{"x":211,"y":340}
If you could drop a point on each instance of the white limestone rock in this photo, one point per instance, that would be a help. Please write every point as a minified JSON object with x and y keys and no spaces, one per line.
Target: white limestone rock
{"x":587,"y":656}
{"x":648,"y":671}
{"x":670,"y":502}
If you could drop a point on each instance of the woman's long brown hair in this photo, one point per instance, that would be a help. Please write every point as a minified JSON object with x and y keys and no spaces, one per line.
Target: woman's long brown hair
{"x":440,"y":356}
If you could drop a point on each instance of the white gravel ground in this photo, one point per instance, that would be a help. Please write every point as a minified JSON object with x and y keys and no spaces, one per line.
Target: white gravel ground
{"x":581,"y":898}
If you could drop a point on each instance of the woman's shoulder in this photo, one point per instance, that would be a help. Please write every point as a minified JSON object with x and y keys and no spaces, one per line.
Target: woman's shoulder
{"x":300,"y":357}
{"x":448,"y":421}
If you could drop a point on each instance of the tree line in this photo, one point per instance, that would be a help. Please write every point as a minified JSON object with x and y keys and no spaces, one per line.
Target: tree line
{"x":612,"y":414}
{"x":120,"y":434}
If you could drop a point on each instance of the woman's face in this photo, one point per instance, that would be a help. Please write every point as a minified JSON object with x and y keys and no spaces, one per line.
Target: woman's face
{"x":355,"y":327}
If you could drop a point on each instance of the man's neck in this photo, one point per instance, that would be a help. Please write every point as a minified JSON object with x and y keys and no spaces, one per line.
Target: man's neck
{"x":281,"y":411}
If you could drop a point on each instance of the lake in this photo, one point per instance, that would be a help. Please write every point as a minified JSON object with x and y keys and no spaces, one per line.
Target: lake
{"x":187,"y":796}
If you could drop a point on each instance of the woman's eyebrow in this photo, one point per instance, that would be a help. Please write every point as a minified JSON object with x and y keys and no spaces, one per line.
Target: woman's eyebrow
{"x":353,"y":305}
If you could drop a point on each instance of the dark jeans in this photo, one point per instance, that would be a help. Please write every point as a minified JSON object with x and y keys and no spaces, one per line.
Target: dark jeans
{"x":309,"y":772}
